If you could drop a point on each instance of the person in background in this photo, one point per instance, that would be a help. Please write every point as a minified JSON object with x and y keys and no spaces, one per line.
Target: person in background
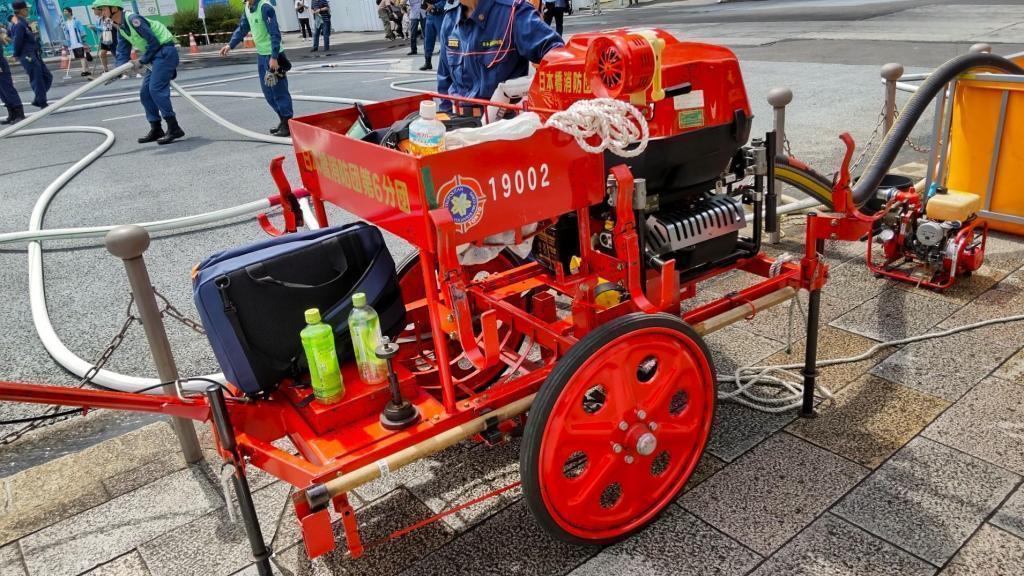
{"x":415,"y":24}
{"x":433,"y":15}
{"x":322,"y":12}
{"x":555,"y":10}
{"x":76,"y":40}
{"x":108,"y":40}
{"x":303,"y":13}
{"x":260,"y":18}
{"x":25,"y":38}
{"x":489,"y":41}
{"x":385,"y":19}
{"x":396,"y":12}
{"x":8,"y":95}
{"x":158,"y":50}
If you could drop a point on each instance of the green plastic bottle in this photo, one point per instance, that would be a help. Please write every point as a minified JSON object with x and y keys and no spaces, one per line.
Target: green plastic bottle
{"x":364,"y":325}
{"x":325,"y":375}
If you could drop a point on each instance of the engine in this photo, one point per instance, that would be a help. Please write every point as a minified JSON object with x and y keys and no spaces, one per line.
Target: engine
{"x":695,"y":103}
{"x":939,"y":238}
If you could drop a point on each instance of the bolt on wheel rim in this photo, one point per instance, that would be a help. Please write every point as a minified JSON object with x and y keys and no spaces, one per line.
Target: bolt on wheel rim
{"x":624,"y":470}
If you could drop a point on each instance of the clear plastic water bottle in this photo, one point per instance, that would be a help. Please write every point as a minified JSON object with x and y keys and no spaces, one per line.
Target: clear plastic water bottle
{"x":325,"y":374}
{"x":426,"y":133}
{"x":364,"y":325}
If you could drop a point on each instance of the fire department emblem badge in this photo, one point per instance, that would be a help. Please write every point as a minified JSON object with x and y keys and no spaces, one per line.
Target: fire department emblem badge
{"x":464,"y":200}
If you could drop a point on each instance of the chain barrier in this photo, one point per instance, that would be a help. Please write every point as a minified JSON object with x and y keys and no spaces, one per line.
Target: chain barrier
{"x":913,"y":145}
{"x":169,"y":311}
{"x":101,"y":361}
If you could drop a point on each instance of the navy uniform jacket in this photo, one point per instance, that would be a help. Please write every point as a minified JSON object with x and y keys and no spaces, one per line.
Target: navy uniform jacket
{"x":493,"y":44}
{"x":23,"y":39}
{"x":137,"y":25}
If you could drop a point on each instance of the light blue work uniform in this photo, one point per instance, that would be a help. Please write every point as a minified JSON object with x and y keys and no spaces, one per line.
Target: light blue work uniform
{"x":495,"y":43}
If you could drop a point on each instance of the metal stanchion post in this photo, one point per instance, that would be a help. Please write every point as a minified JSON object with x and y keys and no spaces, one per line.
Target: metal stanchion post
{"x":129,"y":243}
{"x":890,"y":73}
{"x":980,"y":47}
{"x":779,"y":98}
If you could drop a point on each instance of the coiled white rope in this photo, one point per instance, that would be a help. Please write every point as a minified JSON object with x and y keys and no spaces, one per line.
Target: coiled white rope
{"x":618,"y":124}
{"x":780,"y":388}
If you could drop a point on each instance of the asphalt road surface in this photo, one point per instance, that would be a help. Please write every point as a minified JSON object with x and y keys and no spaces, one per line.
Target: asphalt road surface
{"x":828,"y":52}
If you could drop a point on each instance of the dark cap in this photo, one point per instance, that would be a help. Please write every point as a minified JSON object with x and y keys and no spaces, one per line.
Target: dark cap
{"x":19,"y":4}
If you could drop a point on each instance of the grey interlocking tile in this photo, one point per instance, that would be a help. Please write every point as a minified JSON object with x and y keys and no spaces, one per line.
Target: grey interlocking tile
{"x":1013,"y":369}
{"x":10,"y":561}
{"x":214,"y":544}
{"x":111,"y":529}
{"x":1012,"y":283}
{"x":737,"y":428}
{"x":677,"y":544}
{"x":510,"y":542}
{"x":869,"y":420}
{"x":988,"y":422}
{"x":832,"y":546}
{"x":990,"y":552}
{"x":1010,"y":516}
{"x":130,"y":564}
{"x":396,"y":510}
{"x":772,"y":492}
{"x":706,"y":468}
{"x":137,"y":477}
{"x":1004,"y":251}
{"x":927,"y":499}
{"x":965,"y":289}
{"x":936,"y":366}
{"x":991,"y":305}
{"x":733,"y":347}
{"x":894,"y":314}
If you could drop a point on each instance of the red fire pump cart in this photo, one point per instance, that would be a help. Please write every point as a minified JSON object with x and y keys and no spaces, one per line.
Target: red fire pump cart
{"x":585,"y":348}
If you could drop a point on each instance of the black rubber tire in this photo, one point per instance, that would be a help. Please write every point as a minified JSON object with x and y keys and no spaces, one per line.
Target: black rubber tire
{"x":548,"y":396}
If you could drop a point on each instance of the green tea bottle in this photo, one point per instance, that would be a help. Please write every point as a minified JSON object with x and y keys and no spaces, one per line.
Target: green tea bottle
{"x":364,"y":326}
{"x":325,"y":375}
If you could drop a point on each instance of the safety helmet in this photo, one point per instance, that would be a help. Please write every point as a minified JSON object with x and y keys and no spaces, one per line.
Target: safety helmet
{"x":110,"y":3}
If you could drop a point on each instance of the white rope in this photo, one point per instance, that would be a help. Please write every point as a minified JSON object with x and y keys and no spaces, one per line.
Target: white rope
{"x":618,"y":124}
{"x":790,"y":383}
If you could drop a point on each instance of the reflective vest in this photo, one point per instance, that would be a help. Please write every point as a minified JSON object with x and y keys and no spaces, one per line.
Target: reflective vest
{"x":163,"y":35}
{"x":258,"y":27}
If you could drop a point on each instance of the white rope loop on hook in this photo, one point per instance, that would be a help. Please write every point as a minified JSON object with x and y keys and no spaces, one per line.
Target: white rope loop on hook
{"x":618,"y":124}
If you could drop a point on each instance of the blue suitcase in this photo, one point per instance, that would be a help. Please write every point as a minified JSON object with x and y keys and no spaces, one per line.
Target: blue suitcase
{"x":252,"y":299}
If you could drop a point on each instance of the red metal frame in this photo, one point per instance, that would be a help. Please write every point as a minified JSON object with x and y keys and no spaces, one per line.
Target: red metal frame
{"x":412,"y":197}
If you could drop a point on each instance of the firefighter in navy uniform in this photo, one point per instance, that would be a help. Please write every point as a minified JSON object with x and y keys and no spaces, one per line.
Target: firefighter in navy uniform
{"x":486,"y":42}
{"x":156,"y":47}
{"x":260,"y":18}
{"x":24,"y":36}
{"x":8,"y":94}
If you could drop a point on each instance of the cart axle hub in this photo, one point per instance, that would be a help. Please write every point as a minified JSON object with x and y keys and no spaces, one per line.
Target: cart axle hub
{"x":646,"y":444}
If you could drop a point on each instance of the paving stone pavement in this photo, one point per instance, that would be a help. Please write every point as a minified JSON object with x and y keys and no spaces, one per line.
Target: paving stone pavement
{"x":916,"y":467}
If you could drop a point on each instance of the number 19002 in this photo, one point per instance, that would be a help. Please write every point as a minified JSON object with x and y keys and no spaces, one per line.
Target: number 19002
{"x":528,"y":180}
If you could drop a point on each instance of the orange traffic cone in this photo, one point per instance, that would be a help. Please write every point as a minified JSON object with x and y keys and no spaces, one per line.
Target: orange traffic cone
{"x":193,"y":48}
{"x":65,"y":63}
{"x":249,"y":42}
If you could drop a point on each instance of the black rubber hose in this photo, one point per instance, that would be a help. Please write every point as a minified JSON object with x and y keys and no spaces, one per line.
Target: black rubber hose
{"x":865,"y":187}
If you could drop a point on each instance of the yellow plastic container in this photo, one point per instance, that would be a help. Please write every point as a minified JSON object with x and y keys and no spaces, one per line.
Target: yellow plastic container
{"x":986,"y":155}
{"x":954,"y":205}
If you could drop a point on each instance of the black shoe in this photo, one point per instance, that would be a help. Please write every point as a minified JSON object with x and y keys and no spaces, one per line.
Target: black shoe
{"x":156,"y":132}
{"x":315,"y":50}
{"x":282,"y":130}
{"x":411,"y":53}
{"x":426,"y":66}
{"x":173,"y":132}
{"x":11,"y":115}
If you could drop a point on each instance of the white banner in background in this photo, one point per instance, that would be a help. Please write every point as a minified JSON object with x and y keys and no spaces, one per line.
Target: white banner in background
{"x":148,"y":7}
{"x":167,"y":7}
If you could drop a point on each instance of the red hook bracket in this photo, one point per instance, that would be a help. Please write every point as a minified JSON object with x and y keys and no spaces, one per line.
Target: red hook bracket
{"x":285,"y":198}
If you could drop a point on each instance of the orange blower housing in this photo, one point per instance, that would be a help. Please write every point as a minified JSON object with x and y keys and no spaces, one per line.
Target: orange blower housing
{"x":691,"y":93}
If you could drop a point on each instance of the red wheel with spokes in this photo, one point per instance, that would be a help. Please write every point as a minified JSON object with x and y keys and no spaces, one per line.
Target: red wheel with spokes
{"x":617,"y":428}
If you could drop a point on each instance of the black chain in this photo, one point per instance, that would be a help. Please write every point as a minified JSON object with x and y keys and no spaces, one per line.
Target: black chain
{"x":86,"y":379}
{"x":169,"y":311}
